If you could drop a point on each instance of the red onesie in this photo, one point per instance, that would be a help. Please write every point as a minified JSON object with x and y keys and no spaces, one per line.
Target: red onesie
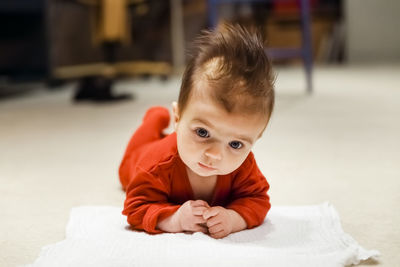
{"x":156,"y":182}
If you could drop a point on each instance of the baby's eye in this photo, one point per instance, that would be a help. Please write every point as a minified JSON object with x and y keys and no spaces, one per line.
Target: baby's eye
{"x":235,"y":144}
{"x":202,"y":132}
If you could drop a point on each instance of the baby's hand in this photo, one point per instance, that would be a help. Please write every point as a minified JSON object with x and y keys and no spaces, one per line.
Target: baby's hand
{"x":219,"y":221}
{"x":190,"y":216}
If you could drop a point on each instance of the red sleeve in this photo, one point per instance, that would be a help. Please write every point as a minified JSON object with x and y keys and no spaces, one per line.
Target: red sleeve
{"x":146,"y":202}
{"x":249,"y":193}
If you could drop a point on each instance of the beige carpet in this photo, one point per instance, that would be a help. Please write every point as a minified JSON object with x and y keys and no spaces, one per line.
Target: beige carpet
{"x":341,"y":145}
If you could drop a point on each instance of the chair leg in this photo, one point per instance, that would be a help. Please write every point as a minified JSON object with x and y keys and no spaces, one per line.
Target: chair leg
{"x":212,"y":8}
{"x":306,"y":47}
{"x":306,"y":42}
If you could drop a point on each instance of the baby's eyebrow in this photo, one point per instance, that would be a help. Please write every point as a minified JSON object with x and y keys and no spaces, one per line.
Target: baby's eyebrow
{"x":246,"y":139}
{"x":203,"y":121}
{"x":209,"y":124}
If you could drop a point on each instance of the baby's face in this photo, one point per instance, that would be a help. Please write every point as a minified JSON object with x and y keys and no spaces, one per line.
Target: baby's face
{"x":212,"y":141}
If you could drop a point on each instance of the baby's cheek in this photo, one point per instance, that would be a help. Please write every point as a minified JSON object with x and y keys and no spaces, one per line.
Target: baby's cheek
{"x":237,"y":160}
{"x":186,"y":143}
{"x":194,"y":147}
{"x":230,"y":164}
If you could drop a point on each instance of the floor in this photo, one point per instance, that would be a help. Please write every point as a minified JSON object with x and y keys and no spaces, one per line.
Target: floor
{"x":341,"y":144}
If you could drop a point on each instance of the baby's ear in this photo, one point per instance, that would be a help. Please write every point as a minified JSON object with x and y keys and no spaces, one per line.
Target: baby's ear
{"x":175,"y":110}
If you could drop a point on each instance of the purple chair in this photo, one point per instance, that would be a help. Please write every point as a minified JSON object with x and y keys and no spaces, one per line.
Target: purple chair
{"x":304,"y":52}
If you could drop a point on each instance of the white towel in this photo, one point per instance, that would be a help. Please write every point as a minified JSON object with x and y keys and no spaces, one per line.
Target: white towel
{"x":290,"y":236}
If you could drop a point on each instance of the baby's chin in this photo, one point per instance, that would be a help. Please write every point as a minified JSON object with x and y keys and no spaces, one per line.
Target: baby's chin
{"x":207,"y":174}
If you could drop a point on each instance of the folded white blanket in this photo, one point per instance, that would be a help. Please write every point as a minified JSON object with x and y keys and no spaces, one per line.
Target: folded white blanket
{"x":290,"y":236}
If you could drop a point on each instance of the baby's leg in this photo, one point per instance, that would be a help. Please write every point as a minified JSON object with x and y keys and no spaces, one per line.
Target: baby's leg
{"x":154,"y":122}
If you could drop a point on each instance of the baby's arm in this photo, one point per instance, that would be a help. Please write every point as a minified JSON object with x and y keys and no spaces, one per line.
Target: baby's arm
{"x":249,"y":196}
{"x":147,"y":202}
{"x":147,"y":207}
{"x":189,"y":217}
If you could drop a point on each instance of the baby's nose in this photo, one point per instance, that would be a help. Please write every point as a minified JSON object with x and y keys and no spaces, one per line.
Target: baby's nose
{"x":214,"y":153}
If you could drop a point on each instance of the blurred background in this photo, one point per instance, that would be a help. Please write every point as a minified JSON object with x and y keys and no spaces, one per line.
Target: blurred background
{"x":57,"y":41}
{"x":96,"y":42}
{"x":76,"y":77}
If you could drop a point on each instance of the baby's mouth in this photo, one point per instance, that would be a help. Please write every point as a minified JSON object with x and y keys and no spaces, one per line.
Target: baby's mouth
{"x":206,"y":167}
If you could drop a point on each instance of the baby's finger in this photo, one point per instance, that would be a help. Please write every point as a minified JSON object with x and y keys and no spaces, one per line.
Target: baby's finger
{"x":199,"y":219}
{"x":213,"y":221}
{"x":199,"y":203}
{"x":198,"y":210}
{"x":216,"y":229}
{"x":210,"y":213}
{"x":200,"y":228}
{"x":219,"y":235}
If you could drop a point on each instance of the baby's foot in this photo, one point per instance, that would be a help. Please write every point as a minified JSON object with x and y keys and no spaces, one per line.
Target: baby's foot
{"x":159,"y":116}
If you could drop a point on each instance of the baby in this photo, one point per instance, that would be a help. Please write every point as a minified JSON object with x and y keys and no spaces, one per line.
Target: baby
{"x":203,"y":177}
